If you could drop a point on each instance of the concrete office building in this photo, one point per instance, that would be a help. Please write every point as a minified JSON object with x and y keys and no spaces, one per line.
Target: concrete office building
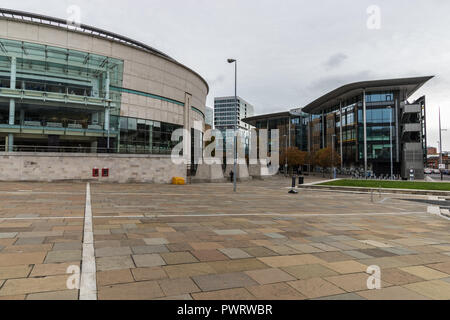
{"x":209,"y":117}
{"x":80,"y":89}
{"x":360,"y":120}
{"x":228,"y":114}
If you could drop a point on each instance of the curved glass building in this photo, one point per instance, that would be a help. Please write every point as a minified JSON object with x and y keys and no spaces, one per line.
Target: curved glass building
{"x":69,"y":88}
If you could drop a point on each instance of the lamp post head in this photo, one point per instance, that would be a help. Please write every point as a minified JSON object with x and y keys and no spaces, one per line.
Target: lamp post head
{"x":231,"y":60}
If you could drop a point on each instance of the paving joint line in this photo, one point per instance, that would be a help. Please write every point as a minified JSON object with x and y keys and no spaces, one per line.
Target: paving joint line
{"x":155,"y":216}
{"x":88,"y":283}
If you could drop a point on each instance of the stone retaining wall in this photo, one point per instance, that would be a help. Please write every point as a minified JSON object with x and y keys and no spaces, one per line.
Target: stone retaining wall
{"x":51,"y":167}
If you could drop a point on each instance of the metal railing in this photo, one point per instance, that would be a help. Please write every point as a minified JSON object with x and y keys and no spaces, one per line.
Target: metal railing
{"x":56,"y":124}
{"x":86,"y":150}
{"x":61,"y":23}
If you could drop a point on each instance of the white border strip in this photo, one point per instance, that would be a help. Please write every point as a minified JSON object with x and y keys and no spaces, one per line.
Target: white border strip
{"x":321,"y":181}
{"x":88,"y":285}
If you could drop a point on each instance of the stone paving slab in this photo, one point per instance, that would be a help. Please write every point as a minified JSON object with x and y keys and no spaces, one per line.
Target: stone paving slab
{"x":162,"y":242}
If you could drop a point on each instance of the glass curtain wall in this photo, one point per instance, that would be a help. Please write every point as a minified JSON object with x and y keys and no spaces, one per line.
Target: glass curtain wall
{"x":145,"y":136}
{"x":60,"y":72}
{"x":380,"y":124}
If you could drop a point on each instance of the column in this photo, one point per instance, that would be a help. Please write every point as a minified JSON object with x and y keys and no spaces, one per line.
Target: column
{"x":106,"y":122}
{"x":397,"y":138}
{"x":365,"y":131}
{"x":187,"y":127}
{"x":107,"y":84}
{"x":289,"y":132}
{"x":323,"y":129}
{"x":12,"y":104}
{"x":150,"y":138}
{"x":341,"y":135}
{"x":22,"y":116}
{"x":94,"y":145}
{"x":107,"y":118}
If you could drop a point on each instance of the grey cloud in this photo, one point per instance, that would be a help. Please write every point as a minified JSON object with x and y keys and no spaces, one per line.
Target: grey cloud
{"x":335,"y":60}
{"x":218,"y":80}
{"x":285,"y":59}
{"x":334,"y":82}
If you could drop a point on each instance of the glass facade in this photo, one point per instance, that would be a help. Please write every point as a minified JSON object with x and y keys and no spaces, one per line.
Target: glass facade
{"x":71,"y":100}
{"x":57,"y":70}
{"x":343,"y":125}
{"x":294,"y":134}
{"x":52,"y":96}
{"x":145,"y":136}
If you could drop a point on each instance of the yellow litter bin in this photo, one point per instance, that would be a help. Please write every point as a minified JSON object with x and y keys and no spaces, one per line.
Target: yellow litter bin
{"x":178,"y":181}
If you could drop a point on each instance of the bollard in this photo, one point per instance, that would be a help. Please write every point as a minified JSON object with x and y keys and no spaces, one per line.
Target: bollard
{"x":301,"y":180}
{"x":293,"y":191}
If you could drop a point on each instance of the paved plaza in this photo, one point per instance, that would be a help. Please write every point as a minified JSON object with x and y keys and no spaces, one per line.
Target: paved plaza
{"x":205,"y":242}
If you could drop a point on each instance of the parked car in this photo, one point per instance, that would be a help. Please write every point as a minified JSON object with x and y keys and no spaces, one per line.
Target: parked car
{"x":428,"y":171}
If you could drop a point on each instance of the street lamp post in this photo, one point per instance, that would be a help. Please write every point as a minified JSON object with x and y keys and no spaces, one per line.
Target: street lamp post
{"x":286,"y":156}
{"x":235,"y":124}
{"x":441,"y":160}
{"x":332,"y":155}
{"x":392,"y":145}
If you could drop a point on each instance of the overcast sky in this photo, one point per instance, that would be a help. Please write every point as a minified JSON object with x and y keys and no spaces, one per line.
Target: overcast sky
{"x":290,"y":52}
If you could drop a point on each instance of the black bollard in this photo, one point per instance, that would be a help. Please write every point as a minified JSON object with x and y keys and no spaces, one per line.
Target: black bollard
{"x":293,"y":191}
{"x":301,"y":180}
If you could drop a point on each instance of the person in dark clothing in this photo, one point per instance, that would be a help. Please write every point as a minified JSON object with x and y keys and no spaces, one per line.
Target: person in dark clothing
{"x":232,"y":176}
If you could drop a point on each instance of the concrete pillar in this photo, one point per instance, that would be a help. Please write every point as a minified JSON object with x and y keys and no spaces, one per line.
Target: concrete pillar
{"x":107,"y":125}
{"x":107,"y":119}
{"x":94,"y":145}
{"x":365,"y":131}
{"x":289,"y":133}
{"x":12,"y":103}
{"x":12,"y":112}
{"x":107,"y":84}
{"x":323,"y":129}
{"x":150,"y":139}
{"x":187,"y":127}
{"x":13,"y":72}
{"x":10,"y":142}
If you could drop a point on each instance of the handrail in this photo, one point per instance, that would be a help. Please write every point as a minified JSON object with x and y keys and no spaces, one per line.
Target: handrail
{"x":86,"y":150}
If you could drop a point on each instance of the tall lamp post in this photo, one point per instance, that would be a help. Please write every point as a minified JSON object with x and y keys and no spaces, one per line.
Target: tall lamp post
{"x":441,"y":160}
{"x":235,"y":124}
{"x":286,"y":155}
{"x":391,"y":142}
{"x":332,"y":156}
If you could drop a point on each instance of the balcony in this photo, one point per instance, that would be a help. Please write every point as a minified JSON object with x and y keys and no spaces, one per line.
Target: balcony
{"x":43,"y":96}
{"x":412,"y":127}
{"x":58,"y":128}
{"x":412,"y":108}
